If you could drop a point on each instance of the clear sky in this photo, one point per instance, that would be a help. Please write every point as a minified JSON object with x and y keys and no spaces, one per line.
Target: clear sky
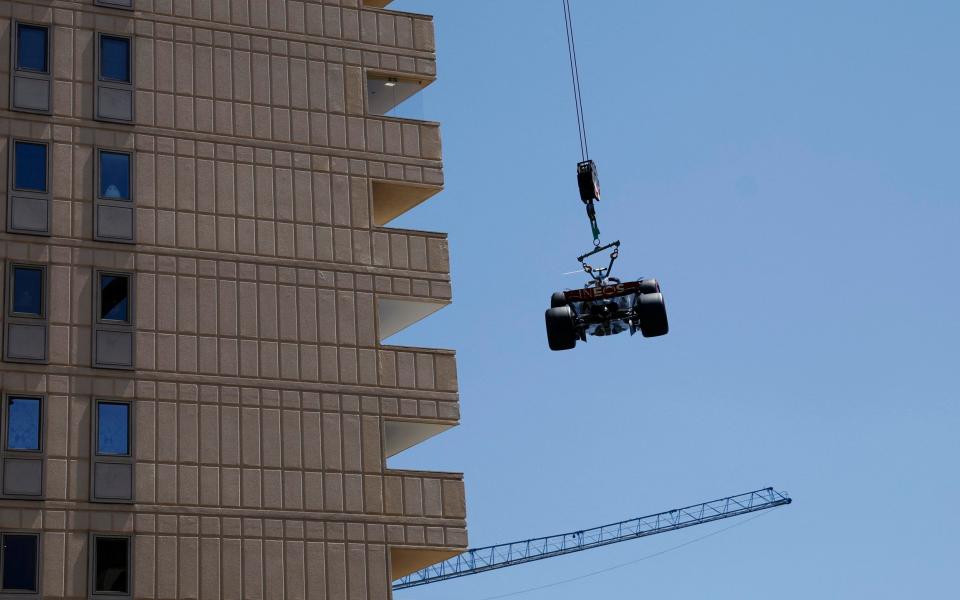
{"x":791,"y":174}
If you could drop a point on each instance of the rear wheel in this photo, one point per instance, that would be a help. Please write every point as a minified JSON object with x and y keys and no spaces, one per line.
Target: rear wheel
{"x":558,"y":299}
{"x":653,"y":315}
{"x":649,"y":286}
{"x":561,"y":328}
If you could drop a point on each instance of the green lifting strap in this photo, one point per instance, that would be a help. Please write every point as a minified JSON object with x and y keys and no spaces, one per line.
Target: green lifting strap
{"x":592,"y":214}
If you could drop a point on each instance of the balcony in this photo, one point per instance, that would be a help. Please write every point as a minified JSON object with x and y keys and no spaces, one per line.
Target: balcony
{"x":395,"y":95}
{"x":402,"y":435}
{"x":438,"y":544}
{"x":420,"y":369}
{"x":396,"y":314}
{"x":399,"y":29}
{"x":406,"y":561}
{"x":391,"y":199}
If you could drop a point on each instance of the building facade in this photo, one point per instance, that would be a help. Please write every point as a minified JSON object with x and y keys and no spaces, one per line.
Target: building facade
{"x":198,"y":279}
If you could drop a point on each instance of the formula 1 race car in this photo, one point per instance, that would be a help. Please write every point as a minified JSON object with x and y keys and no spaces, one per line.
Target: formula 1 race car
{"x":603,"y":308}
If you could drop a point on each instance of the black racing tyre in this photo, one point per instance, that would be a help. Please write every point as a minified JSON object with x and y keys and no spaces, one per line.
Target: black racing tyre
{"x":561,"y":328}
{"x":653,"y":315}
{"x":649,"y":286}
{"x":558,"y":299}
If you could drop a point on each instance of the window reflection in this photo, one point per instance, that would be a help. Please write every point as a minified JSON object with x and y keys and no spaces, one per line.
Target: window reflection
{"x":32,"y":48}
{"x":23,"y":424}
{"x":114,"y":297}
{"x":19,"y":562}
{"x":30,"y":166}
{"x":28,"y":291}
{"x":114,"y":175}
{"x":111,"y":568}
{"x":115,"y":58}
{"x":113,"y":429}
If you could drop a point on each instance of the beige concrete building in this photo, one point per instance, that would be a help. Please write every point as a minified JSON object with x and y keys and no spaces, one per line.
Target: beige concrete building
{"x":198,"y":278}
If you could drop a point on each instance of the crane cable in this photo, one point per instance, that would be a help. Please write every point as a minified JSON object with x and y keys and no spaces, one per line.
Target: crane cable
{"x":581,"y":124}
{"x":599,"y":275}
{"x":575,"y":78}
{"x":625,"y":564}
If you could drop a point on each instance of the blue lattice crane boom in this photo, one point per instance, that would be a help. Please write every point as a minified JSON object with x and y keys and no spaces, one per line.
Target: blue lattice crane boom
{"x":479,"y":560}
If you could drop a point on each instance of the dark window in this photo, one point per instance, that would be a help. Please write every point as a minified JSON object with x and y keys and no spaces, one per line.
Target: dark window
{"x":113,"y":428}
{"x":114,"y":175}
{"x":114,"y":298}
{"x":32,"y":48}
{"x":19,"y":562}
{"x":110,"y":568}
{"x":30,"y":166}
{"x":23,"y":424}
{"x":28,"y":291}
{"x":115,"y":58}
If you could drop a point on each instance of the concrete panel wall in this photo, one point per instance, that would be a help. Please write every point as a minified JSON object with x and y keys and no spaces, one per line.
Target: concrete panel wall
{"x":216,"y":556}
{"x":211,"y":454}
{"x":200,"y":81}
{"x":346,"y":23}
{"x":239,"y":319}
{"x":234,"y":199}
{"x":259,"y":386}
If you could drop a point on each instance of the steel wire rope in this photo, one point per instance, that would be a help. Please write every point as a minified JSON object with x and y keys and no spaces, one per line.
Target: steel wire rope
{"x":575,"y":79}
{"x":626,"y":564}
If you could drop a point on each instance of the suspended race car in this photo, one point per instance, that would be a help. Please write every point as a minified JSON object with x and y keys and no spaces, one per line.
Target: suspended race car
{"x":607,"y":305}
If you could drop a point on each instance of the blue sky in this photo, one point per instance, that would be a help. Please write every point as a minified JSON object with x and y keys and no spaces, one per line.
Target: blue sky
{"x":789,"y":171}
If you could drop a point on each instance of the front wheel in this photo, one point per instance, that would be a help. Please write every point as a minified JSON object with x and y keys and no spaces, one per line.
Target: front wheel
{"x":652,"y":311}
{"x":561,"y":328}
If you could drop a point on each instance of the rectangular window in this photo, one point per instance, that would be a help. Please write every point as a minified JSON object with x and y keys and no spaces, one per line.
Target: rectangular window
{"x":113,"y":88}
{"x":111,"y":565}
{"x":114,"y":217}
{"x":115,"y":59}
{"x":112,"y":464}
{"x":113,"y":316}
{"x":19,"y":563}
{"x":31,"y":83}
{"x":114,"y":175}
{"x":26,"y":324}
{"x":21,"y":452}
{"x":32,"y":48}
{"x":124,"y":4}
{"x":113,"y":429}
{"x":28,"y":203}
{"x":114,"y":298}
{"x":27,"y":291}
{"x":29,"y":166}
{"x":23,"y":424}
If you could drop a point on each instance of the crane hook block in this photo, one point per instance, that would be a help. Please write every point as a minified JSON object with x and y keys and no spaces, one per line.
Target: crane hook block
{"x":588,"y":181}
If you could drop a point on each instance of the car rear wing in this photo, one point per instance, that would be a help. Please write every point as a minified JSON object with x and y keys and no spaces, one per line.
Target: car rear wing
{"x":602,"y":292}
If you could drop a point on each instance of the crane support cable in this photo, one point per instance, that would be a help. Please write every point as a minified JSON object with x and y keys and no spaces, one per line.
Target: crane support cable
{"x":622,"y":565}
{"x":575,"y":79}
{"x":480,"y":560}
